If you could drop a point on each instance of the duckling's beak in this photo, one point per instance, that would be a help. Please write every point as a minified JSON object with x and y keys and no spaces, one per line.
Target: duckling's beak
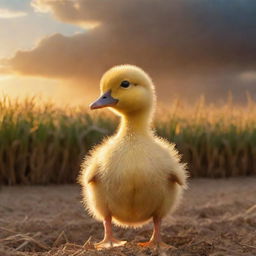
{"x":105,"y":100}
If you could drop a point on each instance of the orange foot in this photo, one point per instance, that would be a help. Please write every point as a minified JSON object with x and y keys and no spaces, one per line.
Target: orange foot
{"x":156,"y":244}
{"x":108,"y":243}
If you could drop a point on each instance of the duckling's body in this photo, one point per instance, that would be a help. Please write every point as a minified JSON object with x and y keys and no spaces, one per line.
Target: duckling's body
{"x":133,"y":176}
{"x":130,"y":178}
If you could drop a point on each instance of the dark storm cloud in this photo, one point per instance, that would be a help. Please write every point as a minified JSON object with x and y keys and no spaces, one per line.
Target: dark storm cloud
{"x":188,"y":46}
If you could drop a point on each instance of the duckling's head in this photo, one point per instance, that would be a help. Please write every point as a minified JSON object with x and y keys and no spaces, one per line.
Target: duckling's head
{"x":126,"y":89}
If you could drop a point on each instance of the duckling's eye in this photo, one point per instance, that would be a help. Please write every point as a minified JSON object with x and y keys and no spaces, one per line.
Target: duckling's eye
{"x":125,"y":84}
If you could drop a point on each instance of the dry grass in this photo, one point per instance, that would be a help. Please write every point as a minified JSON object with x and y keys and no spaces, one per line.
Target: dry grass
{"x":216,"y":217}
{"x":43,"y":144}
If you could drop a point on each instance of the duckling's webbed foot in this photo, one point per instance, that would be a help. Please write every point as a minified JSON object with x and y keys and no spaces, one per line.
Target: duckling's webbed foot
{"x":156,"y":244}
{"x":155,"y":240}
{"x":108,"y":243}
{"x":108,"y":240}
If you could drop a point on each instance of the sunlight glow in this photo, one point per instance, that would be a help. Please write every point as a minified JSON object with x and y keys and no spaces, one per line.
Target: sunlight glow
{"x":5,"y":77}
{"x":89,"y":25}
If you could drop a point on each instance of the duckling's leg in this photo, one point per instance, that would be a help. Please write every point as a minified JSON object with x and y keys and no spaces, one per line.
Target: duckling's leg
{"x":108,"y":240}
{"x":155,"y":240}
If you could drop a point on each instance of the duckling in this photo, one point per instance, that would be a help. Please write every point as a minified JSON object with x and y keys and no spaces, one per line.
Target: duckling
{"x":133,"y":176}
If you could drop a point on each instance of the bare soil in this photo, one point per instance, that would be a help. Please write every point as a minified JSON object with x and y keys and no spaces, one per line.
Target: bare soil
{"x":216,"y":217}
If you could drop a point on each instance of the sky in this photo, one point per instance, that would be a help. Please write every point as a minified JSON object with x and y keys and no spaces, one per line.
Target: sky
{"x":60,"y":48}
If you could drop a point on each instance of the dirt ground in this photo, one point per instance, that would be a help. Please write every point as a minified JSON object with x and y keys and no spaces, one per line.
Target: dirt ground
{"x":217,"y":217}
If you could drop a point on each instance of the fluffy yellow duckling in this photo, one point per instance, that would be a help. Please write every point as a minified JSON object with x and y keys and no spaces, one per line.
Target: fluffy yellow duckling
{"x":132,"y":176}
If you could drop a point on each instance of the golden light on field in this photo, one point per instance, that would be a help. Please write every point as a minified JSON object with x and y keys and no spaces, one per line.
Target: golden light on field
{"x":16,"y":86}
{"x":59,"y":92}
{"x":5,"y":77}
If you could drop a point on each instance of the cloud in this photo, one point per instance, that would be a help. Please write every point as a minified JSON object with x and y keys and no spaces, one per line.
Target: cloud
{"x":41,"y":6}
{"x":248,"y":76}
{"x":189,"y":47}
{"x":63,"y":9}
{"x":9,"y":14}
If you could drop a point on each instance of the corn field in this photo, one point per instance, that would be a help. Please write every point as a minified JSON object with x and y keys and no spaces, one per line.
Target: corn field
{"x":42,"y":144}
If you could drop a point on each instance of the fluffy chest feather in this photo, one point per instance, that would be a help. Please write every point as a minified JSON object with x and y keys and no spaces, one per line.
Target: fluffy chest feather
{"x":134,"y":160}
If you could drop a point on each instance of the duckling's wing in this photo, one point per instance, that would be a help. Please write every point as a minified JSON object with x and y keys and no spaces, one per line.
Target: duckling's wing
{"x":175,"y":179}
{"x":89,"y":171}
{"x":176,"y":171}
{"x":90,"y":168}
